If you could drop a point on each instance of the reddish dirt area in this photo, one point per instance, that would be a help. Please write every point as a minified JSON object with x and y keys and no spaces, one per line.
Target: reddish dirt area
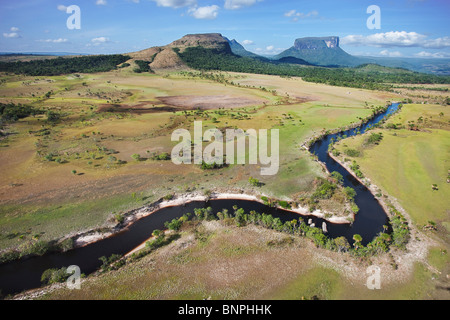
{"x":179,"y":103}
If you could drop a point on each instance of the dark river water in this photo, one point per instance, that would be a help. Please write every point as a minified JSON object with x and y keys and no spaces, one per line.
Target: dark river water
{"x":26,"y":274}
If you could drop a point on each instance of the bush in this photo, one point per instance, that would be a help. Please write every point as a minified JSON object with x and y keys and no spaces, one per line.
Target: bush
{"x":206,"y":166}
{"x":284,"y":204}
{"x":375,"y":138}
{"x":162,"y":156}
{"x":51,"y":276}
{"x":13,"y":112}
{"x":136,"y":157}
{"x":53,"y":117}
{"x":143,"y":66}
{"x":175,"y":224}
{"x":325,"y":190}
{"x":254,"y":182}
{"x":352,"y":153}
{"x":350,"y":193}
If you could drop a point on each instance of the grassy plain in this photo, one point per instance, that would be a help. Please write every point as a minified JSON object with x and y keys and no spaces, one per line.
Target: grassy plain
{"x":108,"y":117}
{"x":98,"y":145}
{"x":213,"y":260}
{"x":406,"y":163}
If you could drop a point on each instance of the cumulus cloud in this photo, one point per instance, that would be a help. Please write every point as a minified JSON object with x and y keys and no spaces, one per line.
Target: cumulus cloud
{"x":396,"y":39}
{"x":247,"y":42}
{"x":100,"y":40}
{"x":62,"y":7}
{"x":237,"y":4}
{"x":207,"y":12}
{"x":13,"y":34}
{"x":101,"y":2}
{"x":175,"y":3}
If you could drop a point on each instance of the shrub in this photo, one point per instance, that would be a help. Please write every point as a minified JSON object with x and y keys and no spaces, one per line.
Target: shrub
{"x":175,"y":224}
{"x":284,"y":204}
{"x":254,"y":182}
{"x":375,"y":138}
{"x":350,"y":193}
{"x":136,"y":157}
{"x":51,"y":276}
{"x":325,"y":190}
{"x":352,"y":153}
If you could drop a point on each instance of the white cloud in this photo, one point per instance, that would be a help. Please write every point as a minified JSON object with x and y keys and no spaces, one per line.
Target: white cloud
{"x":59,"y":40}
{"x":101,"y":2}
{"x":425,"y":54}
{"x":100,"y":40}
{"x":62,"y":8}
{"x":11,"y":35}
{"x":387,"y":53}
{"x":269,"y":50}
{"x":437,"y":43}
{"x":237,"y":4}
{"x":175,"y":3}
{"x":247,"y":42}
{"x":396,"y":39}
{"x":300,"y":15}
{"x":207,"y":12}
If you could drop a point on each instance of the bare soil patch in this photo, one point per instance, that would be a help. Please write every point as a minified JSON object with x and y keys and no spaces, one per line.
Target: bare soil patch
{"x":208,"y":102}
{"x":180,"y":103}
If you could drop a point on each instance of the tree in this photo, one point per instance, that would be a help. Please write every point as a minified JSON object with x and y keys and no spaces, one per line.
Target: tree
{"x":254,"y":182}
{"x":338,"y":177}
{"x":350,"y":193}
{"x":357,"y":238}
{"x":342,"y":244}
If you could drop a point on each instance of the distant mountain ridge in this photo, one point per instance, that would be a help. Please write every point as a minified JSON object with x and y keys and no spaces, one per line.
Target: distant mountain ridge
{"x":320,"y":51}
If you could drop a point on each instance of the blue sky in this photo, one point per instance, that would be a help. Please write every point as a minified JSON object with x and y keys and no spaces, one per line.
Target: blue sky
{"x":409,"y":28}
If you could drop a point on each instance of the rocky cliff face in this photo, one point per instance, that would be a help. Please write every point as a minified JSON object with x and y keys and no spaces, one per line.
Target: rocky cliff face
{"x":165,"y":58}
{"x":205,"y":40}
{"x":314,"y":43}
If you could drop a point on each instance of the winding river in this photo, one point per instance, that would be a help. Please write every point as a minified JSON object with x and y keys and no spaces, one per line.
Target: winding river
{"x":21,"y":275}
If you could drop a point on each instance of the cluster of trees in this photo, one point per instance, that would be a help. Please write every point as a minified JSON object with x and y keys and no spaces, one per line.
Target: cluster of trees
{"x":142,"y":66}
{"x":161,"y":156}
{"x":374,"y":138}
{"x":53,"y":67}
{"x":210,"y":166}
{"x":211,"y":59}
{"x":298,"y":227}
{"x":14,"y":112}
{"x":398,"y":237}
{"x":35,"y":247}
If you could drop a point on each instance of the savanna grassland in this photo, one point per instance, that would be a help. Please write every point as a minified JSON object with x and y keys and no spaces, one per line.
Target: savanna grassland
{"x":74,"y":173}
{"x":96,"y":150}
